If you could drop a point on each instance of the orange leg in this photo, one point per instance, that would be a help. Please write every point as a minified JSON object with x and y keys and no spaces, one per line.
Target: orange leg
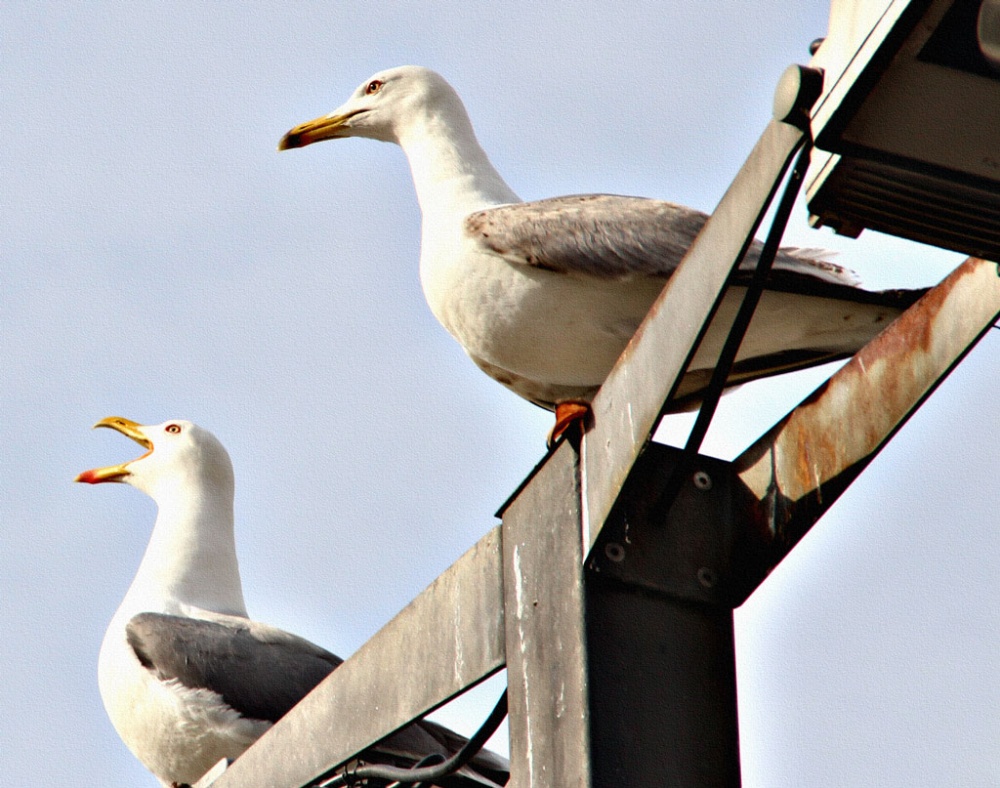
{"x":567,"y":413}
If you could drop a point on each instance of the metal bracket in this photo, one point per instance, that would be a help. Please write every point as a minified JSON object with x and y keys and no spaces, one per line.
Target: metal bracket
{"x":687,"y":554}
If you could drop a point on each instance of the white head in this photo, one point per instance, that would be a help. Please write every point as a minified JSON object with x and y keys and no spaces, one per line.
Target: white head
{"x":383,"y":107}
{"x":180,"y":456}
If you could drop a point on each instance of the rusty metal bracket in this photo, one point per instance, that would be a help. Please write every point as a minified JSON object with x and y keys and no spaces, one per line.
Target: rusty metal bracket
{"x":732,"y":523}
{"x":795,"y":472}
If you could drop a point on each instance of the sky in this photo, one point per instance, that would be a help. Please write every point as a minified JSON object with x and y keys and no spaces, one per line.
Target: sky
{"x":161,"y":259}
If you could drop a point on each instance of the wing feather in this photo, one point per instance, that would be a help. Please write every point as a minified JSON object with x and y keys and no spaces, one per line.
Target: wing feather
{"x":261,"y":672}
{"x":610,"y":236}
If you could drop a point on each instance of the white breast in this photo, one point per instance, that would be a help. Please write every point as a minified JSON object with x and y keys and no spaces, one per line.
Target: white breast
{"x":538,"y":324}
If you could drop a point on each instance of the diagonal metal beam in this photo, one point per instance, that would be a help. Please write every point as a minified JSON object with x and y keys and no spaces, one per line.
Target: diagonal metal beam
{"x":446,"y":640}
{"x":792,"y":474}
{"x":628,"y":405}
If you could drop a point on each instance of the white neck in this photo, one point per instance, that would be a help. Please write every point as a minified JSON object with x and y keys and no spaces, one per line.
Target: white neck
{"x":191,"y":558}
{"x":451,"y":171}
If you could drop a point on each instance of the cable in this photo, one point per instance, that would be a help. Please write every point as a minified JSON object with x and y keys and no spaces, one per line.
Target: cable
{"x":737,"y":332}
{"x":727,"y":357}
{"x":423,"y":775}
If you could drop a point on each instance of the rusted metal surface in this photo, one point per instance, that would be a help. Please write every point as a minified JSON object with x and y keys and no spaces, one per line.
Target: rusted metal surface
{"x":447,"y":639}
{"x":546,"y":648}
{"x":796,"y":471}
{"x":628,"y":406}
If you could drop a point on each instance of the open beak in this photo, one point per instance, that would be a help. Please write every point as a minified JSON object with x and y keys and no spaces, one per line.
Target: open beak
{"x":327,"y":127}
{"x":115,"y":473}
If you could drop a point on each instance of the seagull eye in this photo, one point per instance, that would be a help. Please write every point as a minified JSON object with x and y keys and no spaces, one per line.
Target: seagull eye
{"x":373,"y":87}
{"x":173,"y":429}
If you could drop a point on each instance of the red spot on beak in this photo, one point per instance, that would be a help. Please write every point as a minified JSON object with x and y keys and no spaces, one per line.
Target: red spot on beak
{"x":90,"y":477}
{"x":101,"y":475}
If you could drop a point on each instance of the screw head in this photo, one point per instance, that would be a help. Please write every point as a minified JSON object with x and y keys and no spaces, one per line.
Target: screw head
{"x":707,"y":577}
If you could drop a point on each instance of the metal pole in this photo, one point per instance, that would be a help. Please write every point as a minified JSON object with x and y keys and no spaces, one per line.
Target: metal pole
{"x":660,"y":592}
{"x":546,"y":640}
{"x":662,"y":689}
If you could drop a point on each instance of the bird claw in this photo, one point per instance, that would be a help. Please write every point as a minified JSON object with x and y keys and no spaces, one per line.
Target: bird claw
{"x":568,"y":413}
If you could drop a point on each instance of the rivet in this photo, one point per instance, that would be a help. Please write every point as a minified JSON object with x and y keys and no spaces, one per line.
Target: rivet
{"x":615,"y":552}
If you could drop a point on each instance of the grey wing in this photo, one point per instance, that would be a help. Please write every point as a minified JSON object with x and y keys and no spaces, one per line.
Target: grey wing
{"x":261,"y":672}
{"x":601,"y":235}
{"x":611,"y":236}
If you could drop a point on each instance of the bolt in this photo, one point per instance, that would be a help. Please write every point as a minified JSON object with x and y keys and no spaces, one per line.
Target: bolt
{"x":707,"y":577}
{"x":615,"y":552}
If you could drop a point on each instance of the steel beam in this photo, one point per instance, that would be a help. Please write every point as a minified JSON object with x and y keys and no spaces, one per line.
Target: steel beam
{"x":660,"y":588}
{"x":446,"y":640}
{"x":792,"y":474}
{"x":628,"y":405}
{"x":546,"y":639}
{"x":662,"y":689}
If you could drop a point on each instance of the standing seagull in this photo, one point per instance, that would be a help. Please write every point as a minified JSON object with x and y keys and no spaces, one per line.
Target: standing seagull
{"x":545,"y":295}
{"x":186,"y":677}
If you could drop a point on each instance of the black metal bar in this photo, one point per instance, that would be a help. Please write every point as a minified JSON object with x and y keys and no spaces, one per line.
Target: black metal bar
{"x":662,"y":689}
{"x":751,"y":298}
{"x":660,"y":630}
{"x":739,"y":327}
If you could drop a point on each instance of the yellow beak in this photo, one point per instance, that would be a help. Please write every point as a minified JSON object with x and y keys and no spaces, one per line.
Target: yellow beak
{"x":115,"y":473}
{"x":327,"y":127}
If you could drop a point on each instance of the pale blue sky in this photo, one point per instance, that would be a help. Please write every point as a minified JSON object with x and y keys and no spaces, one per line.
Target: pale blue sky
{"x":160,"y":259}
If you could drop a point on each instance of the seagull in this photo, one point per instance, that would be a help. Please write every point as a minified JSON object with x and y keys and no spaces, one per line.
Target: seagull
{"x":185,"y":675}
{"x":544,"y":296}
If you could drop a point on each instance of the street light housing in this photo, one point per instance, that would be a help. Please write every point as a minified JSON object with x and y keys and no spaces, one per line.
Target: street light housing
{"x":908,"y":125}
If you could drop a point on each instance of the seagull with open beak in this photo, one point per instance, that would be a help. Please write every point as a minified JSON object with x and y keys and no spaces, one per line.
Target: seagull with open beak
{"x":186,"y":676}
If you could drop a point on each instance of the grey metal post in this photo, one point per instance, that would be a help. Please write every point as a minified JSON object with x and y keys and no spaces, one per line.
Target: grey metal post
{"x":680,"y":677}
{"x":546,"y":642}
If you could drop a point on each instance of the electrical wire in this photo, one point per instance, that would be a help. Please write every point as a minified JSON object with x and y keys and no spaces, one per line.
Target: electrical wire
{"x":423,"y":775}
{"x":755,"y":290}
{"x":737,"y":332}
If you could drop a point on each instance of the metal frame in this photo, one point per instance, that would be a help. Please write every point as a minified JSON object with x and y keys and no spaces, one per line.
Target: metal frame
{"x":611,"y":607}
{"x":615,"y":649}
